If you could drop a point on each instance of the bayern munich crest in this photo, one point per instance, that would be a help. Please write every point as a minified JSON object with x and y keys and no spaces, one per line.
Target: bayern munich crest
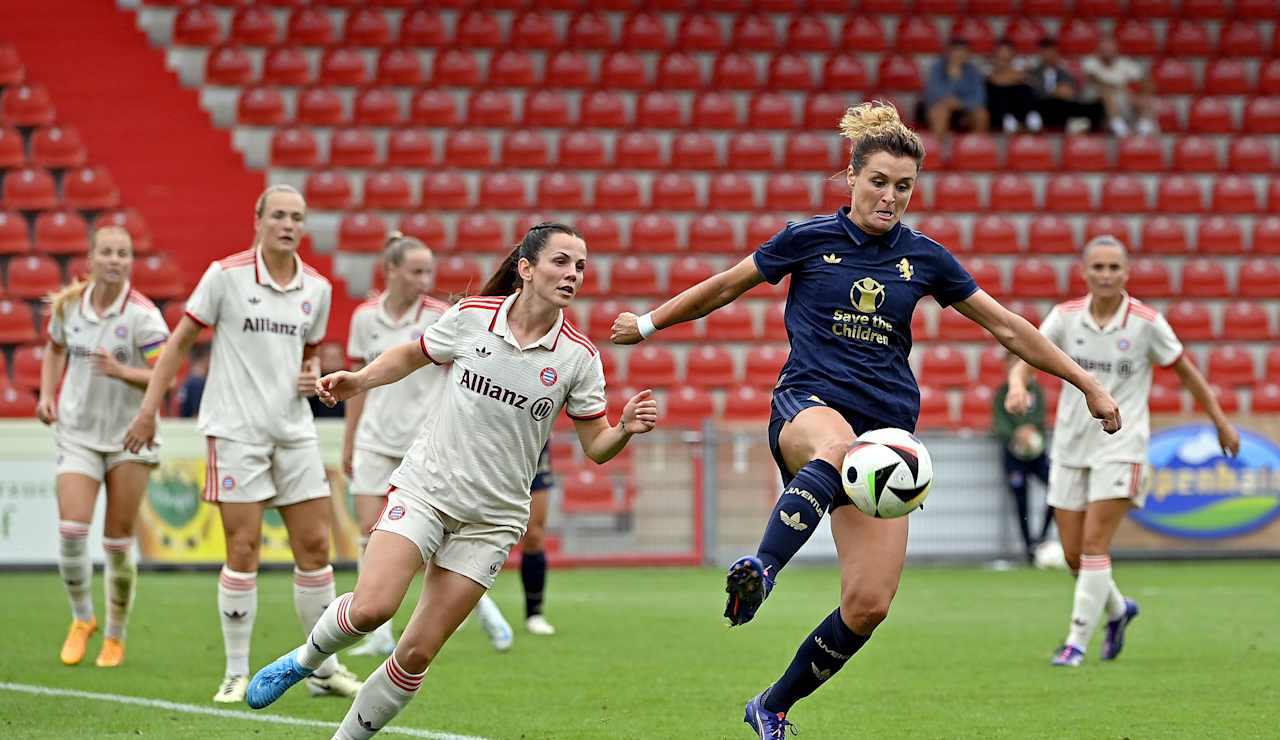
{"x":395,"y":512}
{"x":122,"y":332}
{"x":306,"y":308}
{"x":1123,"y":344}
{"x":548,"y":376}
{"x":228,"y":483}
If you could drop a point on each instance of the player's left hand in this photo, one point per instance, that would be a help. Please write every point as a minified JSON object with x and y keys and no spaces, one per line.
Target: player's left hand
{"x":1103,"y":406}
{"x":1229,"y":438}
{"x":625,"y":330}
{"x":105,"y":364}
{"x":640,"y":415}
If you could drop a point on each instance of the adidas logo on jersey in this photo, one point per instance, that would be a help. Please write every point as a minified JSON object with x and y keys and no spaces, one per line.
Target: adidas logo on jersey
{"x":793,"y":521}
{"x":482,"y":352}
{"x":478,"y":383}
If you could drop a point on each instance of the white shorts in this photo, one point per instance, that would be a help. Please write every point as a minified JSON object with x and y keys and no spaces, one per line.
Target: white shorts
{"x":477,"y":551}
{"x":1073,"y":489}
{"x":371,"y":471}
{"x":241,"y":473}
{"x":74,"y":457}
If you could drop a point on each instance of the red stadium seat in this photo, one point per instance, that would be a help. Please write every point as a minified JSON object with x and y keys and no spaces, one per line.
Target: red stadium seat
{"x":1035,"y":278}
{"x":918,"y":33}
{"x":1164,"y":400}
{"x":1180,"y":194}
{"x":377,"y":107}
{"x":1136,"y":37}
{"x":618,"y":192}
{"x":1271,"y":363}
{"x":1164,"y":235}
{"x":410,"y":147}
{"x":679,"y":71}
{"x":823,"y":111}
{"x":898,"y":72}
{"x":26,"y":366}
{"x":343,"y":66}
{"x":968,"y":27}
{"x":953,"y":326}
{"x":746,"y":404}
{"x":13,"y":149}
{"x":560,"y":191}
{"x":654,"y":232}
{"x":1124,"y":195}
{"x":1196,"y":154}
{"x":601,"y":316}
{"x":633,"y":276}
{"x":996,"y":235}
{"x":490,"y":108}
{"x":131,"y":221}
{"x":1116,"y":226}
{"x":944,"y":366}
{"x":1266,"y":400}
{"x":803,"y":152}
{"x":388,"y":191}
{"x":1078,"y":36}
{"x":424,"y":227}
{"x":17,"y":324}
{"x":752,"y":32}
{"x":730,"y":191}
{"x":942,"y":229}
{"x":651,"y":366}
{"x":61,"y":232}
{"x":1187,"y":38}
{"x":455,"y":68}
{"x":734,"y":71}
{"x":789,"y":71}
{"x":361,"y":232}
{"x":158,"y":277}
{"x":478,"y":232}
{"x":623,"y":70}
{"x":27,"y":105}
{"x":1174,"y":76}
{"x":1266,"y":235}
{"x":397,"y":66}
{"x":1086,"y":154}
{"x":1141,"y":154}
{"x":196,"y":25}
{"x":457,"y":274}
{"x":1231,"y":366}
{"x":33,"y":277}
{"x":1051,"y":235}
{"x":604,"y":109}
{"x":468,"y":149}
{"x":294,"y":147}
{"x":1012,"y":193}
{"x":957,"y":193}
{"x":1191,"y":321}
{"x":1219,"y":235}
{"x":1269,"y":77}
{"x":1247,"y":321}
{"x":1068,"y":194}
{"x":674,"y":192}
{"x":534,"y":31}
{"x":809,"y":33}
{"x":1228,"y":77}
{"x":309,"y":26}
{"x":763,"y":364}
{"x":1234,"y":194}
{"x":602,"y":233}
{"x":1030,"y":153}
{"x":569,"y":69}
{"x":643,"y":31}
{"x":589,"y":492}
{"x":864,"y":33}
{"x":14,"y":237}
{"x":992,"y":365}
{"x":1025,"y":33}
{"x":976,"y":408}
{"x":1211,"y":116}
{"x":987,"y":274}
{"x":327,"y":190}
{"x":476,"y":29}
{"x":320,"y":106}
{"x":935,"y":412}
{"x":527,"y":149}
{"x":751,"y":151}
{"x":657,"y":109}
{"x":788,"y":192}
{"x":771,"y":110}
{"x":503,"y":191}
{"x":228,"y":66}
{"x":1259,"y":278}
{"x":16,"y":403}
{"x":1250,"y":154}
{"x":844,"y":71}
{"x":352,"y":147}
{"x":253,"y":26}
{"x":12,"y":71}
{"x":591,"y":31}
{"x":975,"y":152}
{"x":688,"y":407}
{"x":710,"y":366}
{"x":90,"y":189}
{"x":1149,"y":278}
{"x":698,"y":32}
{"x":715,"y":110}
{"x":730,"y":323}
{"x":547,"y":109}
{"x":710,"y":232}
{"x":1273,"y":196}
{"x":286,"y":65}
{"x":694,"y":151}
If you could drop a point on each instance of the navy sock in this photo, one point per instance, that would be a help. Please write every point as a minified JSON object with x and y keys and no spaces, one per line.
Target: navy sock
{"x":533,"y":574}
{"x":823,"y":653}
{"x":800,"y":508}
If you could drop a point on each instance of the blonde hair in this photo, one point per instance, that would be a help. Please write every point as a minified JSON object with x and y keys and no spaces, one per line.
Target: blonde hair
{"x":261,"y":203}
{"x":876,"y":127}
{"x":70,"y":293}
{"x":397,"y":245}
{"x":1104,"y":240}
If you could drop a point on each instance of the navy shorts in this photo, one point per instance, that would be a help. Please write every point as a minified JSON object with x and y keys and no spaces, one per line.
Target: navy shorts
{"x":787,"y":404}
{"x":543,"y":480}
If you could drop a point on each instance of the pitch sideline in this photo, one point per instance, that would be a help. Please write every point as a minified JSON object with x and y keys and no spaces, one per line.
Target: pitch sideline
{"x":23,"y":688}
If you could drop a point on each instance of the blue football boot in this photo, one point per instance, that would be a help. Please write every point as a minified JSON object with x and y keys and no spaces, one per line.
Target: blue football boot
{"x":271,"y":682}
{"x":747,"y":583}
{"x":1114,"y":643}
{"x":767,"y":725}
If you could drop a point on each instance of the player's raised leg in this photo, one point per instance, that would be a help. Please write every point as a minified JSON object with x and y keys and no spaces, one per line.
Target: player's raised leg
{"x":380,"y":641}
{"x":126,"y":485}
{"x":76,"y":495}
{"x":447,"y":599}
{"x":872,"y":553}
{"x":392,"y":562}
{"x":813,"y":443}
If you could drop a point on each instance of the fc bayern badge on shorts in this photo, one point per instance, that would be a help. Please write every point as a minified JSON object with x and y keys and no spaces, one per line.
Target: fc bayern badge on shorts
{"x":395,"y":512}
{"x":228,"y":483}
{"x":548,"y":376}
{"x":306,"y":308}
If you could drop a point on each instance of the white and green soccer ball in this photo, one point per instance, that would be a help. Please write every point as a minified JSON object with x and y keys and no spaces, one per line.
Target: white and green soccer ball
{"x":887,"y":473}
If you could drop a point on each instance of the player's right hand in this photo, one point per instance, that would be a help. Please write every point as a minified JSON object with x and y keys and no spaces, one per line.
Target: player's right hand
{"x":625,"y":330}
{"x":1103,"y":406}
{"x":1017,"y":400}
{"x":336,"y":387}
{"x":141,"y":432}
{"x":47,"y":411}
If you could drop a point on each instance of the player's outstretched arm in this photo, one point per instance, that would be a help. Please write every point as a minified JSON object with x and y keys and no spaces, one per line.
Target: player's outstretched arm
{"x":1024,"y":340}
{"x":1193,"y":381}
{"x":391,"y":366}
{"x":718,"y":290}
{"x":602,"y":442}
{"x":142,"y":430}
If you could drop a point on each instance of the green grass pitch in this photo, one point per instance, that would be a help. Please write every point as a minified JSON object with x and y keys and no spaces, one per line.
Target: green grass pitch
{"x":645,"y":654}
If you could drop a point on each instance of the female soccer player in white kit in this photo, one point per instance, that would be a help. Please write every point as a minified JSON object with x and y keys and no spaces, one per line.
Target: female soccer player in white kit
{"x":106,"y":337}
{"x":461,"y":497}
{"x":269,"y":312}
{"x":381,"y":425}
{"x":1096,"y":479}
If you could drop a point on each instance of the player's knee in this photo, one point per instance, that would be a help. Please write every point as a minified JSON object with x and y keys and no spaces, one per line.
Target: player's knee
{"x":117,"y":529}
{"x":242,"y":553}
{"x":413,"y":657}
{"x":368,"y":615}
{"x":312,"y":550}
{"x":863,"y":611}
{"x":834,"y":449}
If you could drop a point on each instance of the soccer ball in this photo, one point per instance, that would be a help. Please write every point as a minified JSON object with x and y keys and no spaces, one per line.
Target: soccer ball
{"x":1049,"y":556}
{"x":887,"y":473}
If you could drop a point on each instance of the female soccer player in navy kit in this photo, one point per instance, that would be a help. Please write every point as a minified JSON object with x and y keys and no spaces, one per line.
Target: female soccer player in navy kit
{"x":460,"y":499}
{"x":856,"y":277}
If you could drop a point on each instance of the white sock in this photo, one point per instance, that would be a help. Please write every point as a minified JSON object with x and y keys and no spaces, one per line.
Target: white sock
{"x":120,"y":575}
{"x":385,"y":692}
{"x":333,"y":632}
{"x":383,"y":633}
{"x":1115,"y":602}
{"x":75,"y":568}
{"x":237,"y":607}
{"x":312,"y":592}
{"x":1093,"y":587}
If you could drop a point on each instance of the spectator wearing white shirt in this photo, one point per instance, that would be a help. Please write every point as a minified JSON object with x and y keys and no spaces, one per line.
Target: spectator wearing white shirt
{"x":1124,"y":89}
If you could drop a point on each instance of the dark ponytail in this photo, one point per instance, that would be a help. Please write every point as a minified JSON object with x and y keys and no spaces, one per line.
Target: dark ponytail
{"x":506,"y":280}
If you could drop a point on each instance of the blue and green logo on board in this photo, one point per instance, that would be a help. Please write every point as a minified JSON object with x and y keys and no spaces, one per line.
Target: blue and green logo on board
{"x":1197,"y":492}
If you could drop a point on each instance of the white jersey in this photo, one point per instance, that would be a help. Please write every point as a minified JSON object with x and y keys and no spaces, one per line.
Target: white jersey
{"x":393,"y":414}
{"x":260,"y":329}
{"x":1121,"y":356}
{"x":477,"y":454}
{"x":95,"y":410}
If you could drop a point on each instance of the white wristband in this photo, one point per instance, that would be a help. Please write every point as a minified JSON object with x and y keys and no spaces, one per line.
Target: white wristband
{"x":644,"y":324}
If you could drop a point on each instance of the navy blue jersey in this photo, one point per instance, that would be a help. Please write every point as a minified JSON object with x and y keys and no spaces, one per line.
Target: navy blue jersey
{"x":849,"y":309}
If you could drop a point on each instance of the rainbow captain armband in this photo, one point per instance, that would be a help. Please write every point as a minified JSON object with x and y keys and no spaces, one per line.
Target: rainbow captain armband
{"x":151,"y":352}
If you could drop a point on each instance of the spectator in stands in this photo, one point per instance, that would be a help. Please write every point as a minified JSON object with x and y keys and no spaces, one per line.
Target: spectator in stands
{"x":1011,"y":100}
{"x":332,"y":359}
{"x":1022,"y":438}
{"x":956,"y":93}
{"x":1058,"y":93}
{"x":193,"y":387}
{"x":1123,"y":87}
